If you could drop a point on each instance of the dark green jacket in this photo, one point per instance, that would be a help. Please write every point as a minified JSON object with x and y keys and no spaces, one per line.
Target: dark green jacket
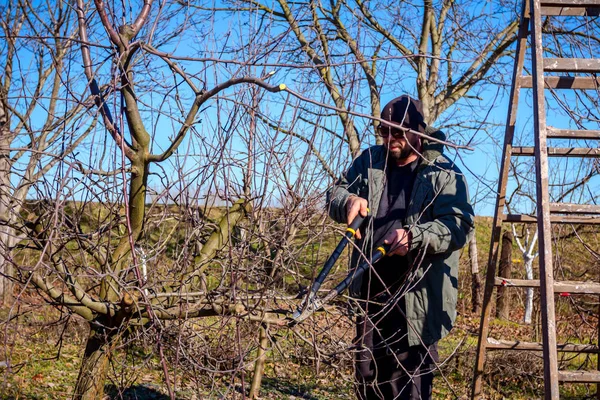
{"x":440,"y":218}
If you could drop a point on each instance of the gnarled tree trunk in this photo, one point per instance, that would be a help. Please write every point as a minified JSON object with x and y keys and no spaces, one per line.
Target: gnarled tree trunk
{"x":94,"y":365}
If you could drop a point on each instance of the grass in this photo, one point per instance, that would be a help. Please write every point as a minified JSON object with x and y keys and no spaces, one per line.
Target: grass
{"x":40,"y":366}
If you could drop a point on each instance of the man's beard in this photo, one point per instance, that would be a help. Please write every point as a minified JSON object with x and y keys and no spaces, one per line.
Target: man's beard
{"x":400,"y":154}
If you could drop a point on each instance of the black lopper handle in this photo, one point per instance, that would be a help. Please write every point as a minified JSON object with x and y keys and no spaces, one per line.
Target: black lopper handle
{"x":355,"y":224}
{"x":350,"y":232}
{"x":380,"y":252}
{"x":312,"y":302}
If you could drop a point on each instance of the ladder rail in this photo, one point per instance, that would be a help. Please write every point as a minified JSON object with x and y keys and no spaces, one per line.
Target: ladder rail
{"x":477,"y":390}
{"x":551,"y":390}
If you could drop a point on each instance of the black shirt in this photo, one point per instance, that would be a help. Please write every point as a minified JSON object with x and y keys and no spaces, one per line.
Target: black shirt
{"x":390,"y":270}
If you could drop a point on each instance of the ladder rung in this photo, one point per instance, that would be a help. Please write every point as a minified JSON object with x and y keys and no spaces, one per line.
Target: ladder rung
{"x":526,"y":283}
{"x":577,"y":287}
{"x":570,"y":11}
{"x":564,"y":82}
{"x":558,"y":151}
{"x":572,"y":64}
{"x":494,"y":344}
{"x":569,"y":208}
{"x":556,"y":219}
{"x":570,"y":3}
{"x":572,"y":134}
{"x":559,"y":287}
{"x":579,"y":376}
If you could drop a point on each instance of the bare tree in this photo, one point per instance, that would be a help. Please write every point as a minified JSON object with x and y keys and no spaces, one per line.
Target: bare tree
{"x":91,"y":243}
{"x":40,"y":121}
{"x":527,"y":252}
{"x":359,"y":51}
{"x":104,"y":280}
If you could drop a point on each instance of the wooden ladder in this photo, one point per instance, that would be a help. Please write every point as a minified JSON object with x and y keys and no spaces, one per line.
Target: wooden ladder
{"x":548,"y":213}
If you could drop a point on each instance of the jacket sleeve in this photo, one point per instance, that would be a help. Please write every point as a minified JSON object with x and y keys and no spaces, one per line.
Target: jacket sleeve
{"x":452,"y":222}
{"x":351,"y":183}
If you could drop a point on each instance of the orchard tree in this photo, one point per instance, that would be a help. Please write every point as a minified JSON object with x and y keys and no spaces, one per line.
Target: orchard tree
{"x":443,"y":53}
{"x":87,"y":223}
{"x":42,"y":120}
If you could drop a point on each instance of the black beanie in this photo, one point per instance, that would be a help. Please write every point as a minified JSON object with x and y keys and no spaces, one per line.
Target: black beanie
{"x":395,"y":111}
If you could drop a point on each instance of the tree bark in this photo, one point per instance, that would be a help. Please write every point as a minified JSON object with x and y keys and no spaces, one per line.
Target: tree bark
{"x":259,"y":366}
{"x":529,"y":291}
{"x":5,"y":208}
{"x":475,"y":277}
{"x":6,"y":267}
{"x":94,"y":366}
{"x":505,"y":267}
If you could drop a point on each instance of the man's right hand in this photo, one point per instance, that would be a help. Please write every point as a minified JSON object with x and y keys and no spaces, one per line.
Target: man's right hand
{"x":354,"y":206}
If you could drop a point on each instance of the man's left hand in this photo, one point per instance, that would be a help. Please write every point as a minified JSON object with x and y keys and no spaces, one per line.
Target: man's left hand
{"x":399,"y":241}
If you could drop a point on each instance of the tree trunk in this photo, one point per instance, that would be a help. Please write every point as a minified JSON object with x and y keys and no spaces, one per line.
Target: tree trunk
{"x":94,"y":366}
{"x":529,"y":291}
{"x":505,"y":267}
{"x":6,"y":233}
{"x":475,"y":277}
{"x":259,"y":366}
{"x":6,"y":267}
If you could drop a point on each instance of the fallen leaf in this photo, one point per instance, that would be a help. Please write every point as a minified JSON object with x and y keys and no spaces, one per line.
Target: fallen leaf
{"x":37,"y":377}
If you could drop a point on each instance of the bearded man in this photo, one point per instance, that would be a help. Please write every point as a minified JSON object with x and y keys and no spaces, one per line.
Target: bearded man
{"x":420,"y":209}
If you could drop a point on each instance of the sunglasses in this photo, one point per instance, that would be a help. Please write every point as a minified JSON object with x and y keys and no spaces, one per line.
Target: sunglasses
{"x":386,"y":131}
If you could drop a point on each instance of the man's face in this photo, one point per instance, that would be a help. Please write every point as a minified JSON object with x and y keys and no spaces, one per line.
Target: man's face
{"x":400,"y":144}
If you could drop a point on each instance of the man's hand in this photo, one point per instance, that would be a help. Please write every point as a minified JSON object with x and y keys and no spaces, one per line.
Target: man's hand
{"x":354,"y":206}
{"x":399,"y":241}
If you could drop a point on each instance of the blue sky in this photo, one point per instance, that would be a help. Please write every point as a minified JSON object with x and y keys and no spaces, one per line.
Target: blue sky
{"x":221,"y":125}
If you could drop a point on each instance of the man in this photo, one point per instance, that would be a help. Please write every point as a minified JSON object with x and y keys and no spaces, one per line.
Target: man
{"x":419,"y":205}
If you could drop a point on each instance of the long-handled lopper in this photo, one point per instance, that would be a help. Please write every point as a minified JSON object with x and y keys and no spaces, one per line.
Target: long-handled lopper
{"x":313,"y":303}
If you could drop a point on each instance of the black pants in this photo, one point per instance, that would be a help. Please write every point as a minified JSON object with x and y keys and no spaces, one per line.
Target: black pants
{"x":386,"y":366}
